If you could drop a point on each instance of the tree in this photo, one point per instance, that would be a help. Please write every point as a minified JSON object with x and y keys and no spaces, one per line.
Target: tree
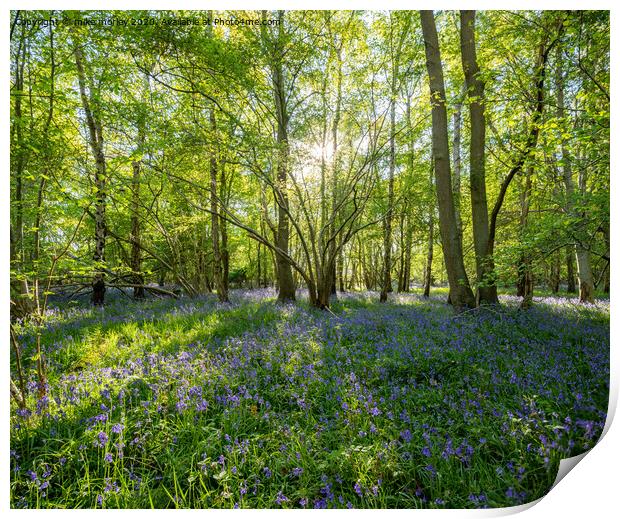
{"x":92,"y":111}
{"x":461,"y":294}
{"x":486,"y":290}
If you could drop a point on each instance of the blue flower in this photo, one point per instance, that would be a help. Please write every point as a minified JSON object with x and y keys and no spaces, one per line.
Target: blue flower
{"x":281,"y":498}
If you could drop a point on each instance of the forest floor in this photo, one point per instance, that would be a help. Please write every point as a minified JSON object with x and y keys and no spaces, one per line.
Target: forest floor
{"x":190,"y":403}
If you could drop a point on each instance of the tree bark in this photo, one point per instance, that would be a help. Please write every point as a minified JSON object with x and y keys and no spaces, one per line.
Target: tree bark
{"x":554,"y":274}
{"x":571,"y":287}
{"x":386,"y":285}
{"x":225,"y":254}
{"x":525,"y":280}
{"x":222,"y":293}
{"x":461,"y":294}
{"x":428,"y":270}
{"x":96,"y":142}
{"x":584,"y":269}
{"x":456,"y":161}
{"x":136,"y":252}
{"x":22,"y":303}
{"x":286,"y":286}
{"x":486,"y":292}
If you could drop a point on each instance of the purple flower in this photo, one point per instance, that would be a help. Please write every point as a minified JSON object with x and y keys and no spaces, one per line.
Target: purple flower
{"x":267,"y":472}
{"x":426,"y":451}
{"x":103,"y":439}
{"x":358,"y":489}
{"x":406,"y":435}
{"x":110,"y":486}
{"x":108,"y":458}
{"x":117,"y":428}
{"x":320,"y":504}
{"x":297,"y":471}
{"x":281,"y":498}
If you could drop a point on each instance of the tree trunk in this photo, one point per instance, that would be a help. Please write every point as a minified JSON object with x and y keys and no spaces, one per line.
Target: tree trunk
{"x":22,"y":303}
{"x":584,"y":269}
{"x":100,"y":180}
{"x":408,"y":247}
{"x":456,"y":161}
{"x":525,"y":283}
{"x":584,"y":273}
{"x":608,"y":266}
{"x":428,"y":270}
{"x":258,"y":265}
{"x":554,"y":275}
{"x":136,"y":251}
{"x":224,"y":233}
{"x":571,"y":287}
{"x":222,"y":293}
{"x":486,"y":292}
{"x":386,"y":284}
{"x":286,"y":286}
{"x":461,"y":294}
{"x":340,"y":270}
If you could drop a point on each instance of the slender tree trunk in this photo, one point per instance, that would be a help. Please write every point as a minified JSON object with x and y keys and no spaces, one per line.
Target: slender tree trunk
{"x":341,"y":270}
{"x":222,"y":293}
{"x":258,"y":265}
{"x":584,"y":265}
{"x":525,"y":283}
{"x":286,"y":285}
{"x":571,"y":287}
{"x":401,"y":251}
{"x":386,"y":284}
{"x":224,"y":232}
{"x":461,"y":294}
{"x":554,"y":276}
{"x":409,"y":225}
{"x":22,"y":303}
{"x":608,"y":267}
{"x":486,"y":292}
{"x":136,"y":251}
{"x":428,"y":270}
{"x":100,"y":179}
{"x":584,"y":269}
{"x":333,"y":245}
{"x":456,"y":161}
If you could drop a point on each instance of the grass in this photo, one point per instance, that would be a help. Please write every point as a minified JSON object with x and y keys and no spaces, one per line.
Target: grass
{"x":193,"y":404}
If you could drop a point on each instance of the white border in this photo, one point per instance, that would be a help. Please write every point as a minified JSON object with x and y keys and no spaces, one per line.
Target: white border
{"x":589,"y":490}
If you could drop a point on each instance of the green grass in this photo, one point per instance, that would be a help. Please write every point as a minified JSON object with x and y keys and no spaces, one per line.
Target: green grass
{"x":396,"y":405}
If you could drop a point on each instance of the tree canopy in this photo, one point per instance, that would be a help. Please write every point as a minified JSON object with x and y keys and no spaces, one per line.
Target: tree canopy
{"x":301,"y":149}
